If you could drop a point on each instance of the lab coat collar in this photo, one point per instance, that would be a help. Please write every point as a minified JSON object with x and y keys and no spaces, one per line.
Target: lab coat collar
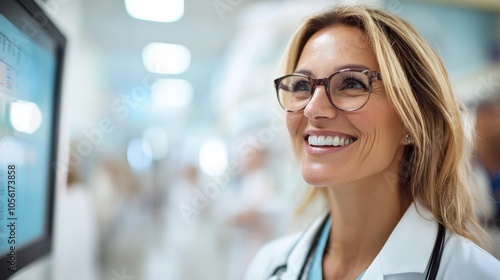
{"x":409,"y":246}
{"x":299,"y":252}
{"x":407,"y":250}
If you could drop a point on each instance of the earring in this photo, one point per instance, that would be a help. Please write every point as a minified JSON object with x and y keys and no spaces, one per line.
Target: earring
{"x":409,"y":139}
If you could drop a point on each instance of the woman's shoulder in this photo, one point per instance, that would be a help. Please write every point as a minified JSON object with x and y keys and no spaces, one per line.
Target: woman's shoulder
{"x":463,"y":259}
{"x":271,"y":256}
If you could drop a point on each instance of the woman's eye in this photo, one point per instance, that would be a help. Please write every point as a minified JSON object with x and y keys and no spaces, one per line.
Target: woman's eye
{"x":301,"y":86}
{"x":353,"y":84}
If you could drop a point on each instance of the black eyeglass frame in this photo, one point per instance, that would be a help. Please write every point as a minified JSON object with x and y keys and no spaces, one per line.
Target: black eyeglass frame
{"x":372,"y":75}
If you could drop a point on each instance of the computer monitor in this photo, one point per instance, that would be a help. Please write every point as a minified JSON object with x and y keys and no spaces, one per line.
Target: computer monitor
{"x":31,"y":55}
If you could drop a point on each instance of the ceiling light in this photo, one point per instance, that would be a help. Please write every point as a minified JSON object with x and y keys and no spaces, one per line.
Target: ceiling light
{"x":155,"y":10}
{"x":162,"y":58}
{"x":213,"y":157}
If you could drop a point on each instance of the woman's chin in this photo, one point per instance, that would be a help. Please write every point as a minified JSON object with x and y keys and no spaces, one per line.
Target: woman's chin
{"x":320,"y":181}
{"x":317,"y":175}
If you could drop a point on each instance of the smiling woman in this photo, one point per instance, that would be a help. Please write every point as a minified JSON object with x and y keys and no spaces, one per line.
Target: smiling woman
{"x":367,"y":101}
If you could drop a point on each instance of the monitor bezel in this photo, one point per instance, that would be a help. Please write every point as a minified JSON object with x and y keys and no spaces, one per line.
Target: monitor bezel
{"x":43,"y":246}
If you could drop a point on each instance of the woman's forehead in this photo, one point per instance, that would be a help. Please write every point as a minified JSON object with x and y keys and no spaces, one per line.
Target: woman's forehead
{"x":334,"y":46}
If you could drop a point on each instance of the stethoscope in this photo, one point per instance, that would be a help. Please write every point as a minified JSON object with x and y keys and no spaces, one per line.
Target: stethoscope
{"x":434,"y":260}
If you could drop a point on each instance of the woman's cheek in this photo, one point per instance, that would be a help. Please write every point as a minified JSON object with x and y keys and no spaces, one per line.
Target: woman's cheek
{"x":294,"y":122}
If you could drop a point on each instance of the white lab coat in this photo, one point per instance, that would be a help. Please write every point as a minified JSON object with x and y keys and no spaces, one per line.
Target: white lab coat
{"x":405,"y":255}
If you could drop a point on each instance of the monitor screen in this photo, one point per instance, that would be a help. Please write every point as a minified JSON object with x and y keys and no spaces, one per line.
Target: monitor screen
{"x":30,"y":66}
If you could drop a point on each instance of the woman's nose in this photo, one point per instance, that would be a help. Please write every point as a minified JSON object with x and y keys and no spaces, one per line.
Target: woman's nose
{"x":319,"y":106}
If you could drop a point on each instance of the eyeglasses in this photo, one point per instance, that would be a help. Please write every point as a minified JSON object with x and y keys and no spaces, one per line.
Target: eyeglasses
{"x":347,"y":89}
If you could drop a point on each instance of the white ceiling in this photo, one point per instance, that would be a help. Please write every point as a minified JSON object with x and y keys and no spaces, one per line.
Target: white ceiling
{"x":121,"y":39}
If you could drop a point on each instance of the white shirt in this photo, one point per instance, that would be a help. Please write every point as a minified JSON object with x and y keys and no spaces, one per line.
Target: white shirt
{"x":405,"y":254}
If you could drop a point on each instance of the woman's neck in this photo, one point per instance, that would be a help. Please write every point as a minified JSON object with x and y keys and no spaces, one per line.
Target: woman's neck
{"x":363,"y":216}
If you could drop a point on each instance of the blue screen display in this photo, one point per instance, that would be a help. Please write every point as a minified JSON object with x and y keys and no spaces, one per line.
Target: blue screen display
{"x":27,"y":92}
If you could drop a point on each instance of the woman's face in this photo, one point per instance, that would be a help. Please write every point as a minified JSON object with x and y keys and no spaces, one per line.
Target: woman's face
{"x":376,"y":133}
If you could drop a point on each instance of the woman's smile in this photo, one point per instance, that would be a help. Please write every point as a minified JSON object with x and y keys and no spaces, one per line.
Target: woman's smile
{"x":327,"y":141}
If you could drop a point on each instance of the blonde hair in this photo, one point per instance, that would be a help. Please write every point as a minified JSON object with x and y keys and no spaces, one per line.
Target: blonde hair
{"x":434,"y":169}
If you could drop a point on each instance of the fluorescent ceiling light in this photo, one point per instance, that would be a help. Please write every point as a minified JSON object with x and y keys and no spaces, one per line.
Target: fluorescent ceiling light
{"x":162,"y":58}
{"x":172,"y":93}
{"x":213,"y":157}
{"x":155,"y":10}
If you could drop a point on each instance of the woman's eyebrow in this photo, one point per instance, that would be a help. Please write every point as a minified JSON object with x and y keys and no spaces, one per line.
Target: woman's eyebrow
{"x":335,"y":69}
{"x":345,"y":66}
{"x":303,"y":71}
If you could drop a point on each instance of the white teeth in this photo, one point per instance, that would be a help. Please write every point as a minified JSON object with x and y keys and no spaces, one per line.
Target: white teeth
{"x":328,"y":141}
{"x":336,"y":141}
{"x":321,"y":140}
{"x":313,"y":140}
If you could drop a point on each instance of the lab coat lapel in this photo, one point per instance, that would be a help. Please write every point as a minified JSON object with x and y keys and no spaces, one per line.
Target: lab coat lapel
{"x":409,"y":246}
{"x":299,"y":253}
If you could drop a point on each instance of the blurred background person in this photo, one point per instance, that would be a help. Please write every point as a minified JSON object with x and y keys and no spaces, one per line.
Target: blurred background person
{"x":189,"y":236}
{"x":486,"y":164}
{"x":256,"y":212}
